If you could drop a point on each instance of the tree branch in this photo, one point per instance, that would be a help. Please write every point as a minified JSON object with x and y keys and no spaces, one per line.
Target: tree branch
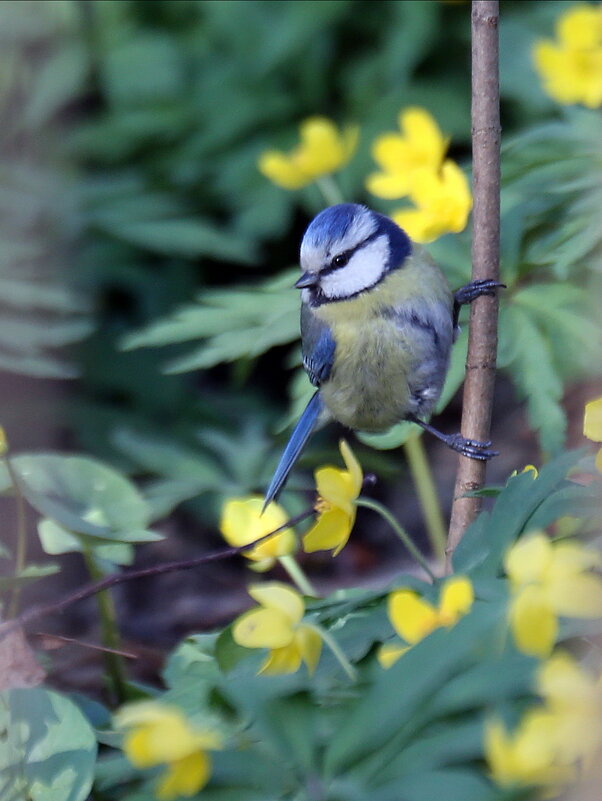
{"x":482,"y":340}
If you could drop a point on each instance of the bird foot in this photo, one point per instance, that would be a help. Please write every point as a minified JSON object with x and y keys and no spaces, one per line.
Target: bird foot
{"x":474,"y":290}
{"x":472,"y":448}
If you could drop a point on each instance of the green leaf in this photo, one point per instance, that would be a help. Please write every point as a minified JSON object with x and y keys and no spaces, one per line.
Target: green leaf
{"x":392,"y":702}
{"x":48,"y":748}
{"x":56,"y":540}
{"x":452,"y":785}
{"x":486,"y":541}
{"x":84,"y":496}
{"x":28,"y":575}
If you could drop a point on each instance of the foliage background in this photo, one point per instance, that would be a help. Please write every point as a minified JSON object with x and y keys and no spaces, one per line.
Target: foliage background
{"x":129,"y":189}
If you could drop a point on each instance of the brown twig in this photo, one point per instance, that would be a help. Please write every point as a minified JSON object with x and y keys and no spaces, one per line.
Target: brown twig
{"x":88,"y":590}
{"x":482,"y":340}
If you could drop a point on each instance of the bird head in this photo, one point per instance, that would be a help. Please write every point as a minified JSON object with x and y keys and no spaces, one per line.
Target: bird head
{"x":348,"y":249}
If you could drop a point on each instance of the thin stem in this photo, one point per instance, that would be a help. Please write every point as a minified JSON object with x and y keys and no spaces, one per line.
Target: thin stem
{"x":109,"y":633}
{"x":330,"y":190}
{"x":368,"y":503}
{"x":295,"y":571}
{"x":337,"y":651}
{"x":482,"y":333}
{"x":21,"y":550}
{"x":427,"y":494}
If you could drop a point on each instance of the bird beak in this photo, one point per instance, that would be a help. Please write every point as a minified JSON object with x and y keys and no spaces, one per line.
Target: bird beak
{"x":307,"y":280}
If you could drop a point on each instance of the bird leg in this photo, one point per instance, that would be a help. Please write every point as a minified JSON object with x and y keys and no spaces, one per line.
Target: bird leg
{"x":472,"y":291}
{"x":472,"y":448}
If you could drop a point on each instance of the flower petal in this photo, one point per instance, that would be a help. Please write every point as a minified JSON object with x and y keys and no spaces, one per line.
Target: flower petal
{"x":411,"y":616}
{"x":592,"y":420}
{"x":185,"y":777}
{"x":528,"y":559}
{"x":309,"y":643}
{"x":423,"y":133}
{"x":457,"y":596}
{"x":263,"y":628}
{"x":278,"y":596}
{"x":533,"y":622}
{"x":282,"y":660}
{"x":389,"y":186}
{"x":336,"y":487}
{"x":330,"y":532}
{"x":578,"y":596}
{"x":281,"y":170}
{"x":243,"y":522}
{"x":389,"y":653}
{"x":322,"y":149}
{"x":353,"y":467}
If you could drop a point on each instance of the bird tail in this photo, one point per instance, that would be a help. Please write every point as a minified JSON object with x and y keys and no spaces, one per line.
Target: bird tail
{"x":306,"y":425}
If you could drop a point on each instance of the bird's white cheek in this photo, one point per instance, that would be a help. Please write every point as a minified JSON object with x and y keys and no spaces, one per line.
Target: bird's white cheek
{"x":364,"y":270}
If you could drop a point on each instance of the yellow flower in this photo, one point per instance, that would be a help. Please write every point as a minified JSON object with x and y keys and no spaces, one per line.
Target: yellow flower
{"x":528,"y":468}
{"x":337,"y":491}
{"x":571,"y":67}
{"x":242,"y":522}
{"x":442,"y":203}
{"x":549,"y":579}
{"x":528,"y":756}
{"x":322,"y":150}
{"x":420,"y":145}
{"x":159,"y":734}
{"x":592,"y":426}
{"x":413,"y":618}
{"x":277,"y":625}
{"x":574,"y":697}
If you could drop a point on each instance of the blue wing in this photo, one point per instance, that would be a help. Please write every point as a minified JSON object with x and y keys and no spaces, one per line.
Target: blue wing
{"x":301,"y":433}
{"x":318,"y":346}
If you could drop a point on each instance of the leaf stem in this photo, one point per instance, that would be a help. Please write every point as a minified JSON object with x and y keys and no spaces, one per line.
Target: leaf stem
{"x":109,"y":633}
{"x":336,"y":650}
{"x":369,"y":503}
{"x":295,"y":571}
{"x":330,"y":190}
{"x":21,"y":550}
{"x":427,"y":494}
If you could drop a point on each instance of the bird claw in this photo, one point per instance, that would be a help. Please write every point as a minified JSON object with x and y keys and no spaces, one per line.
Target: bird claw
{"x":471,"y":448}
{"x":475,"y":289}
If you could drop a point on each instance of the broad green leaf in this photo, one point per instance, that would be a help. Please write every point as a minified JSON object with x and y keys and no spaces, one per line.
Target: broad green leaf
{"x":451,"y":785}
{"x":28,"y":575}
{"x":56,"y":540}
{"x":48,"y":748}
{"x":84,"y":496}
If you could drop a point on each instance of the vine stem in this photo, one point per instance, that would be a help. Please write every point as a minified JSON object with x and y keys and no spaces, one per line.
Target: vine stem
{"x":21,"y":550}
{"x":368,"y":503}
{"x":293,"y":568}
{"x":336,"y":650}
{"x":482,"y":332}
{"x":109,"y":632}
{"x":422,"y":476}
{"x":330,"y":190}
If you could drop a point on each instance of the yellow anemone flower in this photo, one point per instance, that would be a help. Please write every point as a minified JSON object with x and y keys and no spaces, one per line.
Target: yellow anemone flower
{"x":323,"y":150}
{"x":159,"y":734}
{"x":528,"y":756}
{"x":571,"y":66}
{"x":420,"y":145}
{"x":413,"y":618}
{"x":574,"y":696}
{"x":242,"y":523}
{"x":549,"y":579}
{"x":277,"y":625}
{"x":592,"y":426}
{"x":442,"y":202}
{"x":337,"y":492}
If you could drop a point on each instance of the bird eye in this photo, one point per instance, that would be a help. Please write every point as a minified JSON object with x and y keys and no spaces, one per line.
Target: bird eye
{"x":340,"y":260}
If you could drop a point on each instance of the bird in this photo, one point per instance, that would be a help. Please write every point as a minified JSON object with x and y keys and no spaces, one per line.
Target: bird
{"x":378,"y":320}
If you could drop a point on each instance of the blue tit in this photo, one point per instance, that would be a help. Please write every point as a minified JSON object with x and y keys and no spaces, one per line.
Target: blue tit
{"x":378,"y":321}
